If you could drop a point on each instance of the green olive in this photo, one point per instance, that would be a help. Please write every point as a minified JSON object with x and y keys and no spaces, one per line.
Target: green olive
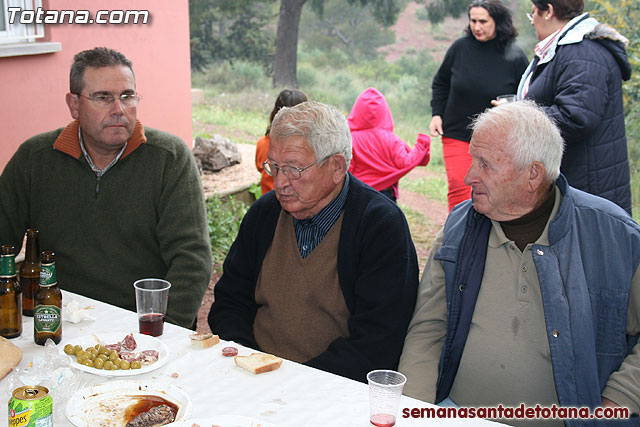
{"x":68,"y":349}
{"x":109,"y":366}
{"x":98,"y":363}
{"x":88,"y":362}
{"x":81,"y":355}
{"x":102,"y":349}
{"x":100,"y":357}
{"x":76,"y":349}
{"x":136,"y":364}
{"x":124,"y":365}
{"x":113,"y":356}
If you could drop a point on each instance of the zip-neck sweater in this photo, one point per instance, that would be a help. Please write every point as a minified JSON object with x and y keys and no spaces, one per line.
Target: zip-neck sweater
{"x":145,"y":217}
{"x":470,"y":76}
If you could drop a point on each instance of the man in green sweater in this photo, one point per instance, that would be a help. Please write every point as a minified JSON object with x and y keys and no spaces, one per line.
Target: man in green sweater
{"x":116,"y":201}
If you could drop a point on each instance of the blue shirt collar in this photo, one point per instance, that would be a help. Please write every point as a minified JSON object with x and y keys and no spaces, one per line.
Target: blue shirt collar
{"x":325,"y":219}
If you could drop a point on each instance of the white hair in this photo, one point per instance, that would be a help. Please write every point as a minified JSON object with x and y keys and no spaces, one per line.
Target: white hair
{"x":323,"y":126}
{"x":530,"y":134}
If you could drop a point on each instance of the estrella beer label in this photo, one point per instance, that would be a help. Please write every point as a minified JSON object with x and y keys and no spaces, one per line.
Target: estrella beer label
{"x":48,"y":275}
{"x":47,"y":318}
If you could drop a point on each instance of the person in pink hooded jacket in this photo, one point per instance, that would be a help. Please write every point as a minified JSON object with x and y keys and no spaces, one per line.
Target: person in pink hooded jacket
{"x":380,"y":157}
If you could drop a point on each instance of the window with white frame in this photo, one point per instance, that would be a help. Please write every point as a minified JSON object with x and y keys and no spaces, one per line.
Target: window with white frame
{"x":12,"y":30}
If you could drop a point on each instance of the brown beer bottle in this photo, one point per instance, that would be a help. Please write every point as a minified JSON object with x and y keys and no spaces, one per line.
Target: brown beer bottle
{"x":10,"y":294}
{"x":30,"y":271}
{"x":47,"y":311}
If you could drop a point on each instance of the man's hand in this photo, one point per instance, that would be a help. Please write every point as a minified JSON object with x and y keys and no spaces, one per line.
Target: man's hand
{"x":606,"y":403}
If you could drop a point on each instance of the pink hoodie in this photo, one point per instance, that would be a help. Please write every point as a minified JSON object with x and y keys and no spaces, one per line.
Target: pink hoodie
{"x":380,"y":157}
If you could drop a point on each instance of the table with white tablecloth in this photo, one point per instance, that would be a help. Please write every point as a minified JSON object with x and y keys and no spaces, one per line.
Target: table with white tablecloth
{"x":292,"y":396}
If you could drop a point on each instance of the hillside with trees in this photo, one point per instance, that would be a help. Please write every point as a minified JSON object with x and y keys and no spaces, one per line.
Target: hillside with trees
{"x":341,"y":47}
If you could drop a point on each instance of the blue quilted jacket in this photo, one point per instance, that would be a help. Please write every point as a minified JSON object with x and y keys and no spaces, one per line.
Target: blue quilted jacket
{"x":581,"y":89}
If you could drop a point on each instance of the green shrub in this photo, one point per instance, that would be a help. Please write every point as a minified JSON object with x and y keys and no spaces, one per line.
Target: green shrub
{"x":377,"y":71}
{"x":236,"y":77}
{"x":256,"y":190}
{"x":249,"y":75}
{"x":307,"y":76}
{"x":341,"y":81}
{"x":224,"y":216}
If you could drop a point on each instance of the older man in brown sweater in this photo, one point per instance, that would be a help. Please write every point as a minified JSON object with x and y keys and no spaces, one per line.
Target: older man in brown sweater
{"x":323,"y":270}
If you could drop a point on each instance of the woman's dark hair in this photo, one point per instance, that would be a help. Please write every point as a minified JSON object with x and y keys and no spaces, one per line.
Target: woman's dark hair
{"x":287,"y":98}
{"x":565,"y":10}
{"x":505,"y":31}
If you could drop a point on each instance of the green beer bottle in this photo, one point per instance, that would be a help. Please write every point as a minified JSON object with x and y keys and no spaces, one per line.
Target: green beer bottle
{"x":10,"y":294}
{"x":30,"y":272}
{"x":47,"y":312}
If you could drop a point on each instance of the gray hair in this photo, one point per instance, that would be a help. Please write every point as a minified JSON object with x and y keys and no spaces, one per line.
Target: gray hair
{"x":98,"y":57}
{"x":323,"y":126}
{"x":530,"y":134}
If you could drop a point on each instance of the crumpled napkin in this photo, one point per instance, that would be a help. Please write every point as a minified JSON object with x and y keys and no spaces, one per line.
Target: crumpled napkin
{"x":74,"y":313}
{"x":50,"y":369}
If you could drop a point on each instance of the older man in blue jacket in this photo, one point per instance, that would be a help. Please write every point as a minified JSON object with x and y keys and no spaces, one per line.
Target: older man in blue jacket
{"x":531,"y":294}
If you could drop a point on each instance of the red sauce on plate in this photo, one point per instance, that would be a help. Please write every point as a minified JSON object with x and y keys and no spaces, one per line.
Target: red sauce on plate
{"x":146,"y":402}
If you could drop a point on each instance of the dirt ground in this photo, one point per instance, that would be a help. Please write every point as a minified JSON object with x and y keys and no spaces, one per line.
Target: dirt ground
{"x":434,"y":211}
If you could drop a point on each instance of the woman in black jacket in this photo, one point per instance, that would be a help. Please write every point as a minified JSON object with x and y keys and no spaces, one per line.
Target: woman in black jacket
{"x":576,"y":74}
{"x":478,"y":67}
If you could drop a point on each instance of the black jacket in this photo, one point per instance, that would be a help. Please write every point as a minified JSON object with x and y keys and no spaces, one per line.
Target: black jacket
{"x":377,"y":270}
{"x":581,"y":89}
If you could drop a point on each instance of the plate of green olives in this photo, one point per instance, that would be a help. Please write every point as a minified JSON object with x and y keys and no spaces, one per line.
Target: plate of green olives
{"x":115,"y":355}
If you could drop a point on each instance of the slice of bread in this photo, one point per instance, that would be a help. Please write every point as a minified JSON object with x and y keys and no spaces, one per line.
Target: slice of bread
{"x":204,"y":340}
{"x":258,"y":363}
{"x":10,"y":356}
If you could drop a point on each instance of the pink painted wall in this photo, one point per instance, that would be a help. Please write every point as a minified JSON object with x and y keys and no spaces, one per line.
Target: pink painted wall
{"x":33,"y":87}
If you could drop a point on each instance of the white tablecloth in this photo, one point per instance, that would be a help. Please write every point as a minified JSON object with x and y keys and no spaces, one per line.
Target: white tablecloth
{"x":292,"y":396}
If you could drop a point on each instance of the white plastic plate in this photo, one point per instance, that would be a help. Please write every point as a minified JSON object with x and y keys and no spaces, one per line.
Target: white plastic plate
{"x":105,"y":404}
{"x":145,"y":342}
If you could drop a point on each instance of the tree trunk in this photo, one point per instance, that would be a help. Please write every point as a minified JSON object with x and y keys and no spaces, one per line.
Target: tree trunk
{"x":285,"y":60}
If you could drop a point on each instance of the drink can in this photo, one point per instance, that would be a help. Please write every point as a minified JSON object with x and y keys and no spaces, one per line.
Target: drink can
{"x":30,"y":406}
